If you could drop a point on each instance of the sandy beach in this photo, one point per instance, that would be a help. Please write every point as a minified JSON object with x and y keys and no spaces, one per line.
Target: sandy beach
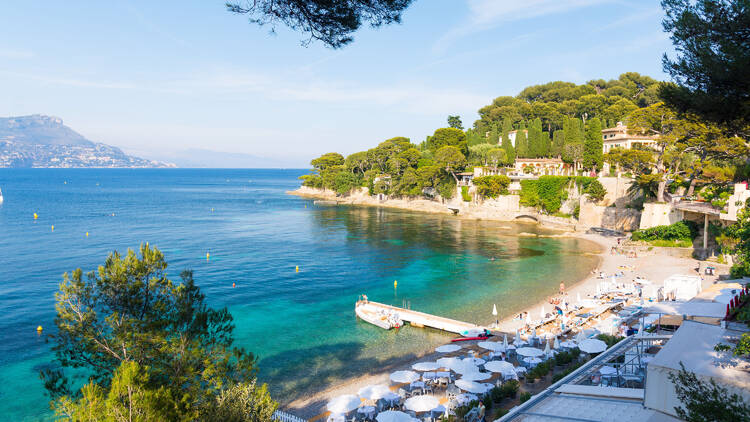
{"x":655,"y":265}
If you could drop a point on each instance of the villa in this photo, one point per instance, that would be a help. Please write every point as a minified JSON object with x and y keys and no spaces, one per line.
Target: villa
{"x":618,"y":137}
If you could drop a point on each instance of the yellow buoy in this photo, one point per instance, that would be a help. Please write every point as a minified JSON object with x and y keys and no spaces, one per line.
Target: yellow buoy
{"x":395,"y":283}
{"x":296,"y":269}
{"x":35,"y":216}
{"x":208,"y":255}
{"x":39,"y":329}
{"x":305,"y":205}
{"x":212,"y":210}
{"x":53,"y":227}
{"x":87,"y":234}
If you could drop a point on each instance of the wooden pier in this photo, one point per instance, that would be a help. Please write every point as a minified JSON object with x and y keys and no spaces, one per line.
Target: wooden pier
{"x":421,"y":319}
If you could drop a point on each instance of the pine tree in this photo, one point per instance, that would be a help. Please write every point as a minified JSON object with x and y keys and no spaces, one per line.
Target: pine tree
{"x":510,"y":152}
{"x":593,"y":156}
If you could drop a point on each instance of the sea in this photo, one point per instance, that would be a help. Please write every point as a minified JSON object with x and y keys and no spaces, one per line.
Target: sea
{"x":289,"y":271}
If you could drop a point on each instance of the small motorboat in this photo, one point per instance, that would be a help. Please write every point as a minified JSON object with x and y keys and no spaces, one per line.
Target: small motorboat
{"x":474,"y":334}
{"x":378,"y":317}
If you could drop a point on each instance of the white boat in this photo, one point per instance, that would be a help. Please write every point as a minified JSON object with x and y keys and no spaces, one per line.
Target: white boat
{"x":1,"y":196}
{"x":377,"y":317}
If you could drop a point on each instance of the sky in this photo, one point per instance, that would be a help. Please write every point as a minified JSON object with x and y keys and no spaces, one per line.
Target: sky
{"x":176,"y":78}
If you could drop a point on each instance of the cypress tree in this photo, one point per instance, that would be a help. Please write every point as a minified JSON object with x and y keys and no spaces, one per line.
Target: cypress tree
{"x":535,"y":148}
{"x":494,"y":136}
{"x":593,"y":156}
{"x":522,"y":142}
{"x":546,"y":145}
{"x":558,"y":140}
{"x":510,"y":152}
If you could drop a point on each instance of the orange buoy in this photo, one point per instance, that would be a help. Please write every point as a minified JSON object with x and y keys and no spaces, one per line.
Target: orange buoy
{"x":233,"y":285}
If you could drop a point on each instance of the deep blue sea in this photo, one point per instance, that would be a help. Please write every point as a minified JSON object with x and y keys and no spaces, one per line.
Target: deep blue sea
{"x":301,"y":325}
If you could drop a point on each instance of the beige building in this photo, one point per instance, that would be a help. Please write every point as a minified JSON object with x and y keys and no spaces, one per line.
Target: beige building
{"x":618,"y":137}
{"x":543,"y":167}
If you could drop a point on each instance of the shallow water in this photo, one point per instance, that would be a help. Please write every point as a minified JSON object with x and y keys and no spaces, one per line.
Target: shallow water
{"x":300,"y":325}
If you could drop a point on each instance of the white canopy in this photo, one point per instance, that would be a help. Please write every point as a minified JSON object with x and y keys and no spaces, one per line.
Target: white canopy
{"x":471,"y":386}
{"x":425,"y":366}
{"x":684,"y":287}
{"x":448,"y":348}
{"x":592,"y":345}
{"x":373,"y":392}
{"x":400,"y":377}
{"x":528,"y":351}
{"x":476,"y":376}
{"x":344,"y":404}
{"x":421,"y":403}
{"x":494,"y":346}
{"x":693,"y":345}
{"x":499,"y":366}
{"x":702,"y":309}
{"x":393,"y":416}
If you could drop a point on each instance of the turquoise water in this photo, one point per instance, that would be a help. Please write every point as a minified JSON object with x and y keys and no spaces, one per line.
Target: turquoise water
{"x":300,"y":325}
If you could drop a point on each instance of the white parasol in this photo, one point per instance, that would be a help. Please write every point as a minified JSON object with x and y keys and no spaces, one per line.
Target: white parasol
{"x":528,"y":351}
{"x":464,"y":368}
{"x":578,"y":298}
{"x":505,"y":341}
{"x":373,"y":392}
{"x":547,"y":351}
{"x":448,"y":348}
{"x":494,"y":310}
{"x":449,"y":362}
{"x":470,"y":386}
{"x":541,"y":312}
{"x":494,"y":346}
{"x":425,"y":366}
{"x":532,"y":361}
{"x":476,"y":376}
{"x":592,"y":345}
{"x":568,"y":344}
{"x":499,"y":366}
{"x":393,"y":416}
{"x":401,"y":377}
{"x":528,"y":318}
{"x":344,"y":404}
{"x":421,"y":403}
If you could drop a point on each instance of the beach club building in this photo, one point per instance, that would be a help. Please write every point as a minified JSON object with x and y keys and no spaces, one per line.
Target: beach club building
{"x":618,"y":137}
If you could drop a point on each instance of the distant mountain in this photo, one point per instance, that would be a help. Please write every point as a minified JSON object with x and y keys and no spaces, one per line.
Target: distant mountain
{"x":44,"y":141}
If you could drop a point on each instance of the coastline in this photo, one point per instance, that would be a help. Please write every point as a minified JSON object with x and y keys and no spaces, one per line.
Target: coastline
{"x":655,"y":266}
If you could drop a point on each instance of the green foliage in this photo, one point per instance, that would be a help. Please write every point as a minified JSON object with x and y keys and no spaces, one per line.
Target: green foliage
{"x":328,"y":160}
{"x":479,"y":154}
{"x":525,"y":396}
{"x":610,"y":340}
{"x":455,"y":122}
{"x":450,"y":159}
{"x":548,"y":192}
{"x":592,"y":148}
{"x":631,"y":160}
{"x":702,"y":401}
{"x":595,"y":190}
{"x":344,"y":182}
{"x":741,"y":231}
{"x":681,"y":230}
{"x":492,"y":186}
{"x":448,"y":137}
{"x":447,"y":188}
{"x":465,"y":194}
{"x":130,"y":328}
{"x":557,"y":377}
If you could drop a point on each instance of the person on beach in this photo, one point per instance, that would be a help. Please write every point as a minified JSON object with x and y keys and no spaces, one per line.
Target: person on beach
{"x":562,"y":287}
{"x":481,"y":411}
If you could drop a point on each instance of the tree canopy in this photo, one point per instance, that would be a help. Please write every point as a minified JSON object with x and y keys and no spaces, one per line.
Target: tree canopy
{"x":128,"y":327}
{"x":712,"y":64}
{"x":331,"y":22}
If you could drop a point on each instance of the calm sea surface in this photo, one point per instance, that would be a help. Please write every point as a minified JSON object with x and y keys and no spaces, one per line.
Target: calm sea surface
{"x":300,"y":325}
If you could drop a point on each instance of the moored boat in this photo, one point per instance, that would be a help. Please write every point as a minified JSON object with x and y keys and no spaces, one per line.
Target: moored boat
{"x":378,"y":317}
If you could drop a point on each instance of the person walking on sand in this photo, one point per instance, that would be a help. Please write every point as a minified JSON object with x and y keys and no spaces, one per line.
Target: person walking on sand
{"x":562,"y":287}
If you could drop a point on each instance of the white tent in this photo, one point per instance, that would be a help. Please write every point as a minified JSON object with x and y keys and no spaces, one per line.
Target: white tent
{"x":693,"y":345}
{"x":683,"y":287}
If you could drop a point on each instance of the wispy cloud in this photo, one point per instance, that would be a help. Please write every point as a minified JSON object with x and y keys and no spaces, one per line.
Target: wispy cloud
{"x":487,"y":14}
{"x":8,"y":53}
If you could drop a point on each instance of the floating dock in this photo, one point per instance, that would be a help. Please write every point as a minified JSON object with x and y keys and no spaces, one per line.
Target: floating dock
{"x":421,"y":319}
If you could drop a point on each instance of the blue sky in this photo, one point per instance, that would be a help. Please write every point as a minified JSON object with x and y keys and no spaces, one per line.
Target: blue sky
{"x":157,"y":77}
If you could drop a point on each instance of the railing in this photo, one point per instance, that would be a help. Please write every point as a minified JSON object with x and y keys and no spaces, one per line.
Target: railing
{"x":286,"y":417}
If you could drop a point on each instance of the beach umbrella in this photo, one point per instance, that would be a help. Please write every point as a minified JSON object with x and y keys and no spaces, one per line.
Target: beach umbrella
{"x":400,"y":377}
{"x":528,"y":318}
{"x":568,"y":344}
{"x":464,"y":368}
{"x":592,"y":345}
{"x":528,"y":351}
{"x":421,"y":403}
{"x":517,"y":338}
{"x":578,"y":298}
{"x":448,"y":348}
{"x":580,"y":336}
{"x":494,"y":346}
{"x":532,"y":361}
{"x":425,"y":366}
{"x":449,"y":362}
{"x":476,"y":376}
{"x":547,"y":351}
{"x":344,"y":404}
{"x":373,"y":392}
{"x":465,"y":398}
{"x":505,"y":341}
{"x":533,"y":333}
{"x":607,"y":370}
{"x":393,"y":416}
{"x":475,"y":361}
{"x":499,"y":366}
{"x":470,"y":386}
{"x":519,"y":370}
{"x":494,"y":313}
{"x":541,"y":312}
{"x":556,"y":344}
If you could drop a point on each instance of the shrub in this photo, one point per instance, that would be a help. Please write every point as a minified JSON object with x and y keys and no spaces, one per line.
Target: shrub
{"x":525,"y":396}
{"x":500,"y":413}
{"x":681,"y":230}
{"x":465,"y":194}
{"x":447,"y":188}
{"x":344,"y":182}
{"x":497,"y":394}
{"x":510,"y":388}
{"x":595,"y":190}
{"x":492,"y":186}
{"x":610,"y":340}
{"x":565,"y":373}
{"x":575,"y":353}
{"x":577,"y":211}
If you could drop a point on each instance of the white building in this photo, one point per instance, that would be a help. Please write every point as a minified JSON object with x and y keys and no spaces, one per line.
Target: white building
{"x":618,"y":137}
{"x":512,"y":136}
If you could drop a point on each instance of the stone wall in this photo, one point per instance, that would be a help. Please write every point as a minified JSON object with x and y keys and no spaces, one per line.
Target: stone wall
{"x":613,"y":218}
{"x":659,"y":214}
